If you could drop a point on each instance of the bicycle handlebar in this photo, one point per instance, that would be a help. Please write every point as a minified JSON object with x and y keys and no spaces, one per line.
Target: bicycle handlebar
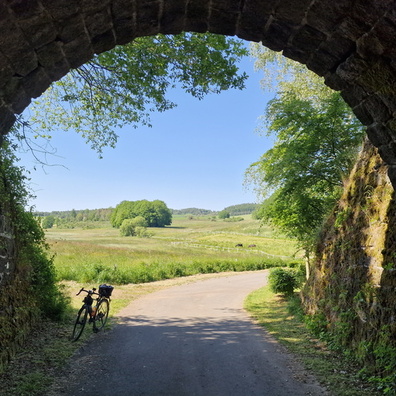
{"x":93,"y":291}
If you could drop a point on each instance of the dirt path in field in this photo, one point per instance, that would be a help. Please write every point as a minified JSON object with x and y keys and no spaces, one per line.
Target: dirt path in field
{"x":192,"y":339}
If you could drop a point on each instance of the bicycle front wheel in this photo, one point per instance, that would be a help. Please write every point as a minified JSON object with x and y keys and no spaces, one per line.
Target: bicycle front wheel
{"x":79,"y":325}
{"x":102,"y":313}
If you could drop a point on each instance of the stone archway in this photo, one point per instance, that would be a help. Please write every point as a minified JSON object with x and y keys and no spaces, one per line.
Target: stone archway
{"x":349,"y":42}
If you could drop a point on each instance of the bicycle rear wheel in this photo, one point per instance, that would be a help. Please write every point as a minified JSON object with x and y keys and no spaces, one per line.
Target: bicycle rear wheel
{"x":79,"y":325}
{"x":102,"y":313}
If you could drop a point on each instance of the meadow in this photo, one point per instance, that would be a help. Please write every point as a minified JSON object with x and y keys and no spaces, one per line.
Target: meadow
{"x":95,"y":252}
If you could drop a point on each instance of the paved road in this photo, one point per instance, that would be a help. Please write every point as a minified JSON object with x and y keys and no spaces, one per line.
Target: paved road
{"x":190,"y":340}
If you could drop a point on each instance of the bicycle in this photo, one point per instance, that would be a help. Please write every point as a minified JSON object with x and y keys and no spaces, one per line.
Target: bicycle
{"x":97,"y":313}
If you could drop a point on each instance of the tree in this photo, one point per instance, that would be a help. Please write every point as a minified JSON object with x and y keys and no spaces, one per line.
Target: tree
{"x":48,"y":221}
{"x":124,"y":85}
{"x":163,"y":214}
{"x":224,"y":214}
{"x":155,"y":213}
{"x":317,"y":138}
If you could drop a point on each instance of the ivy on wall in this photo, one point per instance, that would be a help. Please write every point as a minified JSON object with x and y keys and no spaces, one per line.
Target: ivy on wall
{"x":28,"y":289}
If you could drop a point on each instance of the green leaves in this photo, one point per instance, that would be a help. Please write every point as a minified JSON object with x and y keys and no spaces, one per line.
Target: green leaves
{"x":316,"y":142}
{"x":155,"y":213}
{"x":123,"y":86}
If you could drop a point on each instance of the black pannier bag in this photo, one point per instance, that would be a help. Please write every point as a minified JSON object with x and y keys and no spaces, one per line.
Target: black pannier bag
{"x":105,"y":290}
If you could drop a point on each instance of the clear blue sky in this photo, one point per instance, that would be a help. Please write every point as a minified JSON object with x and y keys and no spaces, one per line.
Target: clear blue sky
{"x":194,"y":156}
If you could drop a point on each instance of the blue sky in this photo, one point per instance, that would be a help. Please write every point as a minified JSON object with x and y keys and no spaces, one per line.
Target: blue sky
{"x":194,"y":156}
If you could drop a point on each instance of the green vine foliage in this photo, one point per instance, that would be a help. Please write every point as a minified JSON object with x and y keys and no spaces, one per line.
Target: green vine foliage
{"x":32,"y":263}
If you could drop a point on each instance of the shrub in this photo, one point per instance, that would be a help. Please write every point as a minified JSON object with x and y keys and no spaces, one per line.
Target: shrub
{"x":224,"y":214}
{"x":133,"y":227}
{"x":283,"y":281}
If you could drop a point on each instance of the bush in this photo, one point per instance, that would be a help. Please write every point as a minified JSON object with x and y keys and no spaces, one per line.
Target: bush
{"x":284,"y":281}
{"x":48,"y":222}
{"x":133,"y":227}
{"x":224,"y":214}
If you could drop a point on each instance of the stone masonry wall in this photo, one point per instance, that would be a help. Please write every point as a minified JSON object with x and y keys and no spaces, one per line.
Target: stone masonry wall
{"x":353,"y":280}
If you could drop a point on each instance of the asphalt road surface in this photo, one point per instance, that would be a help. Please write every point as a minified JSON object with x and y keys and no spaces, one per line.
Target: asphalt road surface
{"x":189,"y":340}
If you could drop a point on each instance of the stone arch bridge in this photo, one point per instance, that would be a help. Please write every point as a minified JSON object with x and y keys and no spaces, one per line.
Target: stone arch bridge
{"x":349,"y":42}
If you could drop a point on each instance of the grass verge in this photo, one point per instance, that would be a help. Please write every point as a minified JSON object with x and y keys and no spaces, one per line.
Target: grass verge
{"x":334,"y":371}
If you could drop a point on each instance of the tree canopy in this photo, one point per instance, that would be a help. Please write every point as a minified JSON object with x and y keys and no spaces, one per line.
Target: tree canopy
{"x":156,"y":213}
{"x":124,"y":85}
{"x":317,"y":138}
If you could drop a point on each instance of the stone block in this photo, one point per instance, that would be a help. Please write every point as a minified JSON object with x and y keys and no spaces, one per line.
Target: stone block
{"x":353,"y":67}
{"x":388,"y":154}
{"x":147,"y":18}
{"x":362,"y":113}
{"x":173,"y":17}
{"x":78,"y":52}
{"x":25,"y":9}
{"x":6,"y":71}
{"x":277,"y":35}
{"x":352,"y":28}
{"x":50,"y":54}
{"x":353,"y":94}
{"x":308,"y":38}
{"x":93,"y":6}
{"x":98,"y":23}
{"x":15,"y":95}
{"x":104,"y":42}
{"x":292,"y":11}
{"x":381,"y":38}
{"x":12,"y":40}
{"x":377,"y":109}
{"x":223,"y":21}
{"x":369,"y":45}
{"x":25,"y":63}
{"x":335,"y":82}
{"x":378,"y":134}
{"x":71,"y":28}
{"x":7,"y":119}
{"x":389,"y":100}
{"x":123,"y":9}
{"x":39,"y":30}
{"x":296,"y":54}
{"x":334,"y":11}
{"x":58,"y":69}
{"x":197,"y":16}
{"x":125,"y":30}
{"x":252,"y":22}
{"x":5,"y":13}
{"x":338,"y":46}
{"x":370,"y":15}
{"x":379,"y":77}
{"x":321,"y":62}
{"x":61,"y":10}
{"x":36,"y":82}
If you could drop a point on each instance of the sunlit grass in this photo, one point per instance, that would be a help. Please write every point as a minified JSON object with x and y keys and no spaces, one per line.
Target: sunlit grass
{"x":333,"y":370}
{"x":186,"y":248}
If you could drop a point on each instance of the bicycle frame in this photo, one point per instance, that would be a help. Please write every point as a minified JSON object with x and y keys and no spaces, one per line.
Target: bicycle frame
{"x":97,"y":313}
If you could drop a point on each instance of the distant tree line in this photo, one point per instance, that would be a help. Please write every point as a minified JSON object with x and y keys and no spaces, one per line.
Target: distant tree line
{"x":192,"y":211}
{"x":241,"y":209}
{"x":146,"y":210}
{"x":79,"y":215}
{"x":67,"y":217}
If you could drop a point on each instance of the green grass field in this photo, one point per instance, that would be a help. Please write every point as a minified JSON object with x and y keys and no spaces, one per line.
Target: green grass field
{"x":188,"y":247}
